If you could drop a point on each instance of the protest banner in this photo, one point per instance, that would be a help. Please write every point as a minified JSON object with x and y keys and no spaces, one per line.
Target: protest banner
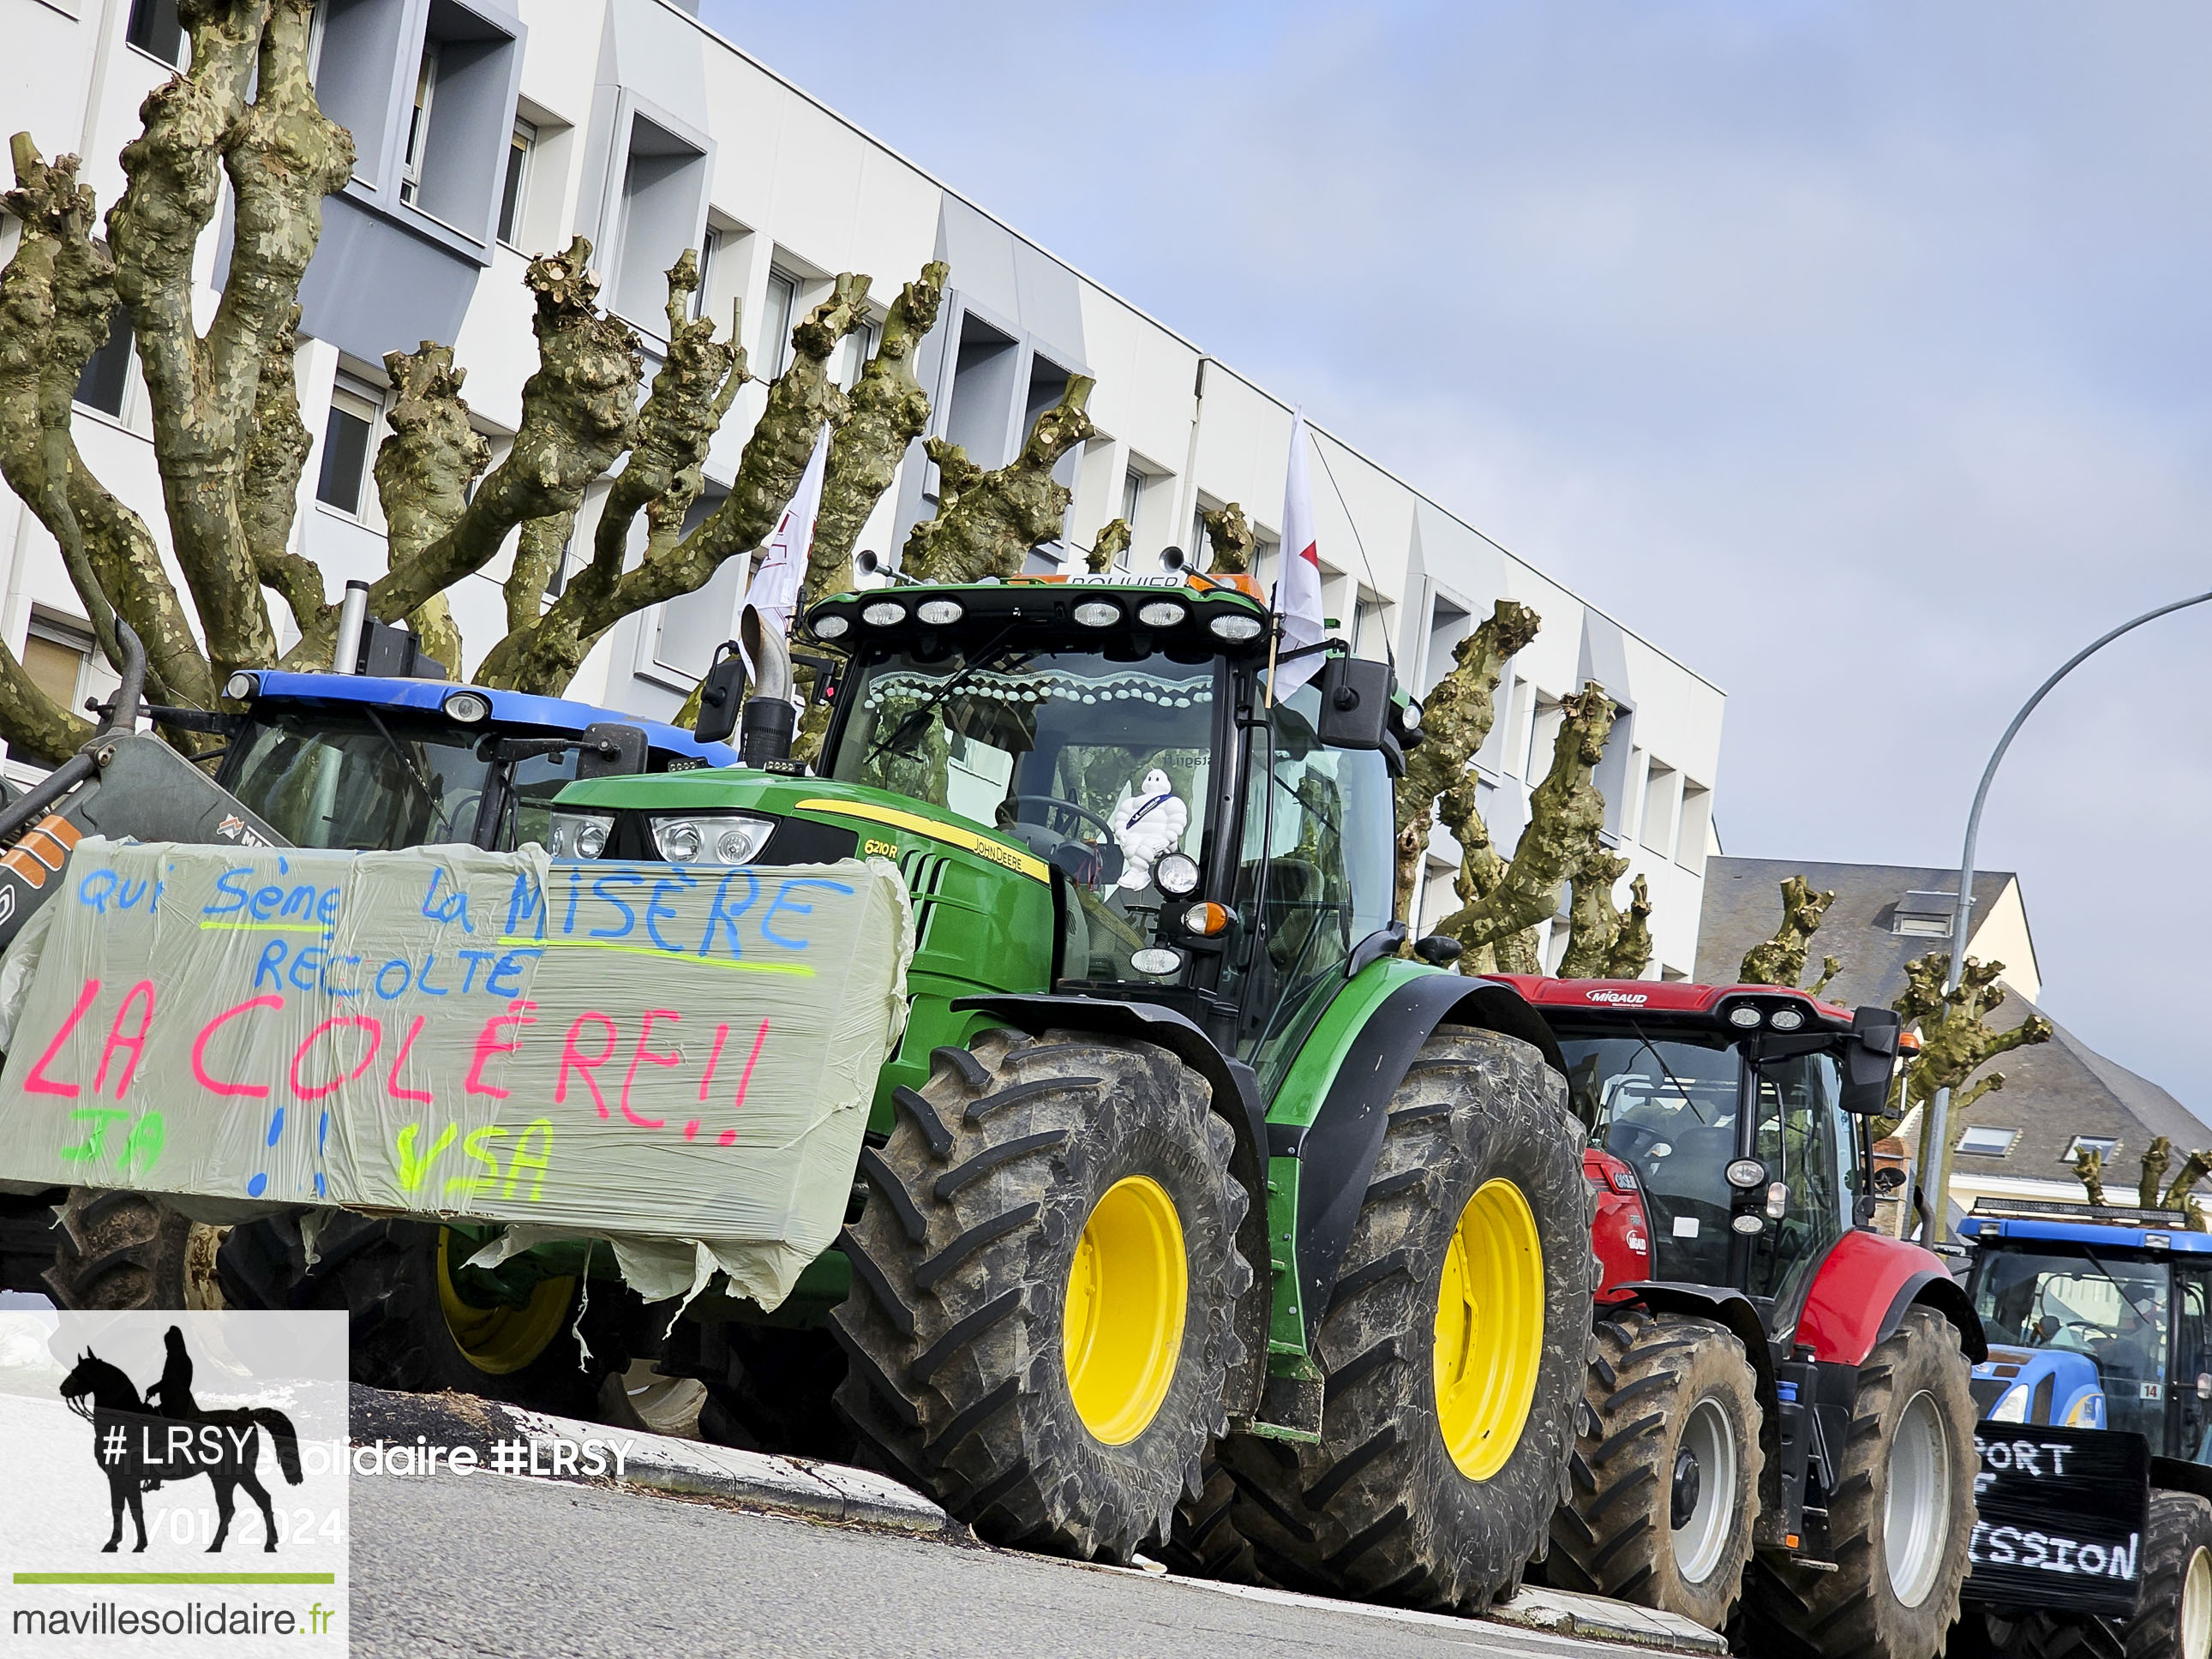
{"x":679,"y":1056}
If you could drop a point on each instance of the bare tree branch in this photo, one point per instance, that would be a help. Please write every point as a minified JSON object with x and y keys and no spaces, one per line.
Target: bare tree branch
{"x":988,"y":522}
{"x":1233,"y":539}
{"x":1780,"y":960}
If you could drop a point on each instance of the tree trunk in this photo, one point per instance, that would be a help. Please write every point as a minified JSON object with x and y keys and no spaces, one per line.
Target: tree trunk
{"x":988,"y":522}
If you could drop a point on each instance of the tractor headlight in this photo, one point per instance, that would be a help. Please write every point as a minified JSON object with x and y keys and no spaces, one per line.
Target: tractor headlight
{"x":578,"y":835}
{"x":241,"y":685}
{"x":711,"y":837}
{"x":1743,"y":1016}
{"x":883,"y":613}
{"x":2013,"y":1408}
{"x":1162,"y":613}
{"x":830,"y":628}
{"x":470,"y":708}
{"x":1097,"y":613}
{"x":1786,"y":1019}
{"x":1175,"y":875}
{"x":1234,"y":628}
{"x":940,"y":613}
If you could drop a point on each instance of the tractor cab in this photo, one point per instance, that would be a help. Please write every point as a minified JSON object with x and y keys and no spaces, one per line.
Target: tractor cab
{"x":365,"y":762}
{"x":1727,"y":1126}
{"x":2096,"y":1319}
{"x":1101,"y":749}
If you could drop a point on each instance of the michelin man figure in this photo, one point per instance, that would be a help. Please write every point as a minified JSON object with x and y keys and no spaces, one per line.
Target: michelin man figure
{"x":1147,"y":824}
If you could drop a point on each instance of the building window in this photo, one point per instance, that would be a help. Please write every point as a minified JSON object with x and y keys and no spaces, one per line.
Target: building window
{"x":1661,"y":793}
{"x":1988,"y":1142}
{"x":55,"y":657}
{"x":663,"y":193}
{"x":2103,"y":1146}
{"x":155,"y":30}
{"x":777,"y":314}
{"x":1696,"y":833}
{"x":107,"y":375}
{"x":347,"y":440}
{"x":418,"y":125}
{"x":516,"y":185}
{"x":855,"y":351}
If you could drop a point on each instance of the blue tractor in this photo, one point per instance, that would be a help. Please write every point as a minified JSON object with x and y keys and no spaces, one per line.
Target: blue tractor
{"x":358,"y":761}
{"x":2096,"y":1433}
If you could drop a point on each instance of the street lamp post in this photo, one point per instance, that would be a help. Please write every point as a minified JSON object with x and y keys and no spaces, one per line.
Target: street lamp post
{"x":1933,"y":1214}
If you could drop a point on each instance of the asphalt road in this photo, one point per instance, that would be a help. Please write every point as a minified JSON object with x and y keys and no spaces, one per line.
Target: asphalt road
{"x":483,"y":1564}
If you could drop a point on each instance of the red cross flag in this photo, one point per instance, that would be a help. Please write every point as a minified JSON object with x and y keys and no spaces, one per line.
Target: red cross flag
{"x":1297,"y":589}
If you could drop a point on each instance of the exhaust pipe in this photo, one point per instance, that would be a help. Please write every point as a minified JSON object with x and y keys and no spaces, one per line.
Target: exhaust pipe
{"x":353,"y":617}
{"x":765,"y":726}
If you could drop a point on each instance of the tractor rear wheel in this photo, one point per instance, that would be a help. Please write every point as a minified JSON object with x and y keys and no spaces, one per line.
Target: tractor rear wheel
{"x":1665,"y":1476}
{"x":2174,"y":1618}
{"x":1455,"y":1345}
{"x":1899,"y":1519}
{"x":410,"y":1327}
{"x":1044,"y":1280}
{"x":119,"y":1250}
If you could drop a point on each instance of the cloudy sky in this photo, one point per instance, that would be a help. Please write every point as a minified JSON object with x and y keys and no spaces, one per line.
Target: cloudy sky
{"x":1856,"y":354}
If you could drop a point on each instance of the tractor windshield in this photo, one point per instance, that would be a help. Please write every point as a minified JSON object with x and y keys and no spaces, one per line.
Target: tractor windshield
{"x":1666,"y":1106}
{"x":1101,"y":767}
{"x":2093,"y":1301}
{"x":324,"y":779}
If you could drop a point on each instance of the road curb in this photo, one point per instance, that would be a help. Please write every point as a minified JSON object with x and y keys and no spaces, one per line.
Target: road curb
{"x":1595,"y":1618}
{"x":653,"y":1462}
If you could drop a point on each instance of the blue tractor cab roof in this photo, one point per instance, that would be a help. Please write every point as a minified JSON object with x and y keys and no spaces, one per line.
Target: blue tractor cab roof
{"x":2132,"y":1231}
{"x":515,"y":712}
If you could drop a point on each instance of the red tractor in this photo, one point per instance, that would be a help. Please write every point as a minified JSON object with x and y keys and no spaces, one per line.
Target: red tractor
{"x":1779,"y":1411}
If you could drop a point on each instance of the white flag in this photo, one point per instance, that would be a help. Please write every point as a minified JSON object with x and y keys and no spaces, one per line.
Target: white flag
{"x":783,"y":567}
{"x":1297,"y":587}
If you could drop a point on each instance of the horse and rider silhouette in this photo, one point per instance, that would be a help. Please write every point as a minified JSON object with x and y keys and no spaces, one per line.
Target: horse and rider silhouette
{"x":138,"y":1446}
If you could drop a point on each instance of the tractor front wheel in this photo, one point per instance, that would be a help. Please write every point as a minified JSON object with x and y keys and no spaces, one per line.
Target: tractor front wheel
{"x":1899,"y":1519}
{"x":2174,"y":1618}
{"x":1044,"y":1280}
{"x":1455,"y":1344}
{"x":1665,"y":1478}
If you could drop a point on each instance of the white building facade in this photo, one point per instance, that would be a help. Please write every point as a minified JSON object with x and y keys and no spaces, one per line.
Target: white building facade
{"x":488,"y":130}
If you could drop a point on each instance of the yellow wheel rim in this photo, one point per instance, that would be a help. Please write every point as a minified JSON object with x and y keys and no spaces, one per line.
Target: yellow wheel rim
{"x":500,"y":1340}
{"x":1490,"y":1329}
{"x":1127,"y":1293}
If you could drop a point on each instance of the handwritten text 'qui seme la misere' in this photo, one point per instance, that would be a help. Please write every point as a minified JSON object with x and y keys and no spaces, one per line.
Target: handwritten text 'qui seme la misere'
{"x":443,"y":1030}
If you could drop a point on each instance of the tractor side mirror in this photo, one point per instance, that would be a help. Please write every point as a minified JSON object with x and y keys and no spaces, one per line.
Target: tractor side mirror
{"x":1355,"y":703}
{"x":611,"y":749}
{"x":720,"y":694}
{"x":1869,"y":1057}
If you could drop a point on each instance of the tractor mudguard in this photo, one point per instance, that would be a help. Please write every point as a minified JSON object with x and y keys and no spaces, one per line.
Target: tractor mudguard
{"x":2177,"y":1474}
{"x":1728,"y":1307}
{"x":1235,"y":1090}
{"x":1863,"y":1291}
{"x":1336,"y":1151}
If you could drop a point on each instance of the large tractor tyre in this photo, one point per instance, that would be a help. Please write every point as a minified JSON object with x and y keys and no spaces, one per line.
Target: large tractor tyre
{"x":2174,"y":1618}
{"x":1455,"y":1345}
{"x":1899,"y":1519}
{"x":121,"y":1250}
{"x":1204,"y":1542}
{"x":409,"y":1326}
{"x":1044,"y":1284}
{"x":1665,"y":1476}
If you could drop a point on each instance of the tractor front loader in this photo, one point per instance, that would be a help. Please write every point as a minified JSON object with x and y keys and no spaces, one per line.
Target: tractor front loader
{"x":358,"y":760}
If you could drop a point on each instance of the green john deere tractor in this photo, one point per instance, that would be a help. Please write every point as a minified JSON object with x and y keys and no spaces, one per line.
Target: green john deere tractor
{"x":1189,"y":1214}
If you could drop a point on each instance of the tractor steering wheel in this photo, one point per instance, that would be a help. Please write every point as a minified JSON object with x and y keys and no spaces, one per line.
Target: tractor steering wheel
{"x":1060,"y":804}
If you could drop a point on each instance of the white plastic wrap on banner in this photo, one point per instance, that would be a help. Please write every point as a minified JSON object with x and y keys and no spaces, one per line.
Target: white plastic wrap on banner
{"x":678,"y":1057}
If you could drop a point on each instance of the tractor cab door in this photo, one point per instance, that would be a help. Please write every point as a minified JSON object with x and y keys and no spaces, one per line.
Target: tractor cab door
{"x":1810,"y":1147}
{"x":2191,"y":1375}
{"x":1314,"y":878}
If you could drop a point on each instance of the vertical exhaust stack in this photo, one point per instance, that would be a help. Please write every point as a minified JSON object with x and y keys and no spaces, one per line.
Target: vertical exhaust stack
{"x":765,"y":726}
{"x":353,"y":617}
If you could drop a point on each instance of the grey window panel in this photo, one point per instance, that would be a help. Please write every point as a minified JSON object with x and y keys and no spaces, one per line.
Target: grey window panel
{"x":664,"y":188}
{"x":1611,"y":775}
{"x":364,"y":46}
{"x":982,"y":401}
{"x":345,"y":460}
{"x":471,"y":121}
